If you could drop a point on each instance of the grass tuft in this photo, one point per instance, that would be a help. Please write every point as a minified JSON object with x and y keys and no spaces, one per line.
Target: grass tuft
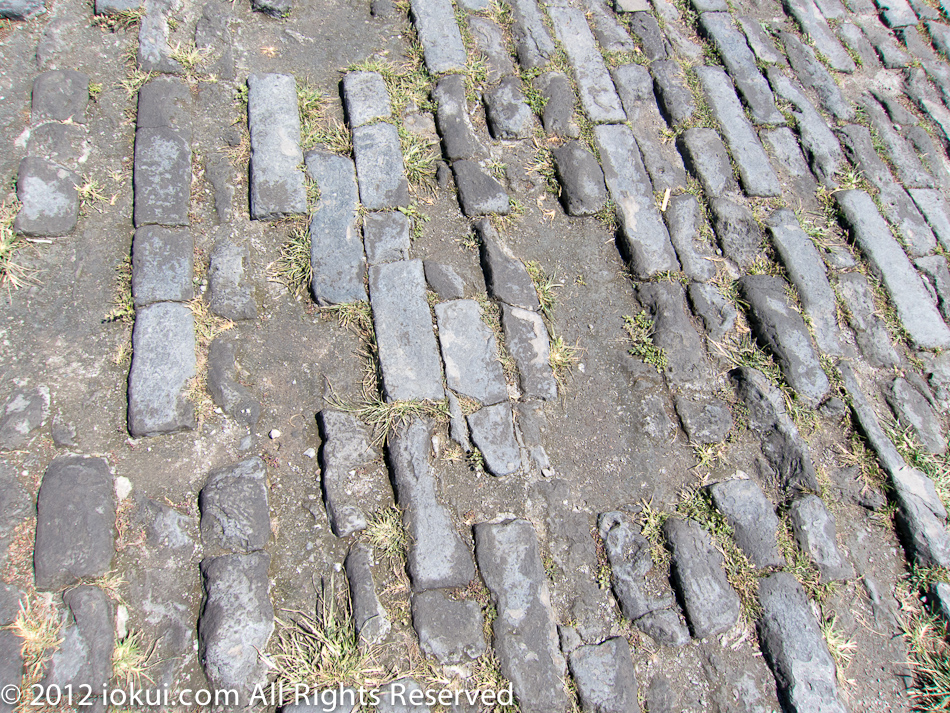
{"x":386,"y":533}
{"x":544,"y":285}
{"x":563,"y":358}
{"x":419,"y":157}
{"x":13,"y":273}
{"x":292,"y":267}
{"x":385,"y":417}
{"x":38,"y":624}
{"x":640,"y":330}
{"x":116,"y":21}
{"x":130,"y":659}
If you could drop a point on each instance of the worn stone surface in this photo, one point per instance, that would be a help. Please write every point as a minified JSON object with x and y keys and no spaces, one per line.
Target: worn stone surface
{"x":365,"y":98}
{"x":891,"y":54}
{"x":75,"y":516}
{"x":909,"y":167}
{"x":505,"y":276}
{"x":653,"y":42}
{"x":163,"y":361}
{"x":705,"y":419}
{"x":675,"y":334}
{"x":506,"y":112}
{"x":869,"y":329}
{"x":854,"y":39}
{"x":50,"y":201}
{"x":737,"y":231}
{"x":440,"y":36}
{"x":760,"y":42}
{"x":162,"y":177}
{"x":386,"y":239}
{"x":154,"y":50}
{"x":752,"y":518}
{"x":605,"y":677}
{"x":469,"y":352}
{"x":162,"y":265}
{"x":684,"y":220}
{"x":936,"y":212}
{"x":444,"y":280}
{"x":558,"y":115}
{"x":526,"y":338}
{"x":814,"y":25}
{"x":913,"y":409}
{"x":637,"y":88}
{"x":24,"y":411}
{"x":581,"y":178}
{"x":60,"y":95}
{"x":235,"y":515}
{"x":532,"y":41}
{"x":814,"y":530}
{"x":213,"y":36}
{"x":165,"y":102}
{"x":455,"y":124}
{"x":896,"y":13}
{"x":21,"y":9}
{"x":231,"y":295}
{"x":84,"y":658}
{"x":937,"y":278}
{"x":66,"y":145}
{"x":662,"y":161}
{"x":228,"y":393}
{"x":490,"y":40}
{"x":493,"y":434}
{"x":448,"y":629}
{"x":673,"y":96}
{"x":379,"y":167}
{"x":716,"y":312}
{"x":705,"y":156}
{"x":812,"y":73}
{"x":782,"y":146}
{"x":369,"y":617}
{"x":610,"y":34}
{"x":479,"y":193}
{"x":219,"y":172}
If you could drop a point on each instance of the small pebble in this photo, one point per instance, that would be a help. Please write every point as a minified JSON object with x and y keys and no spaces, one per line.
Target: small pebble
{"x":274,"y":434}
{"x":310,"y":453}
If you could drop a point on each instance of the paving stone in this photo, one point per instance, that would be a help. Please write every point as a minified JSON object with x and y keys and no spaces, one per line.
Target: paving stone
{"x":213,"y":36}
{"x":75,"y":516}
{"x":581,"y":178}
{"x":275,"y":8}
{"x":21,"y":9}
{"x":595,"y":88}
{"x":558,"y":115}
{"x":653,"y":42}
{"x":11,"y":663}
{"x":852,"y":37}
{"x":493,"y":433}
{"x":444,"y":280}
{"x":662,"y":161}
{"x":814,"y":530}
{"x":605,"y":677}
{"x":705,"y":156}
{"x":777,"y":325}
{"x":408,"y":354}
{"x":812,"y":73}
{"x":813,"y":24}
{"x":684,"y":219}
{"x":163,"y":362}
{"x":165,"y":103}
{"x":506,"y":112}
{"x":154,"y":51}
{"x":755,"y":172}
{"x":705,"y":419}
{"x":795,"y":648}
{"x":231,"y":295}
{"x":672,"y":94}
{"x":218,"y":170}
{"x":479,"y":193}
{"x":531,"y":423}
{"x":349,"y":493}
{"x":760,"y":42}
{"x":235,"y":515}
{"x":448,"y":629}
{"x":806,"y":270}
{"x":469,"y":352}
{"x":933,"y":206}
{"x":533,"y":44}
{"x":939,"y":35}
{"x":162,"y":265}
{"x":16,"y":504}
{"x":237,"y":619}
{"x":379,"y":167}
{"x":914,"y":305}
{"x":369,"y":617}
{"x":229,"y":394}
{"x":637,"y":91}
{"x":438,"y":558}
{"x":711,"y":605}
{"x":277,"y":182}
{"x":716,"y":312}
{"x":455,"y":125}
{"x":366,"y":98}
{"x":526,"y":338}
{"x":896,"y":13}
{"x":60,"y":95}
{"x":934,"y":269}
{"x":386,"y":238}
{"x":610,"y":34}
{"x":910,"y":170}
{"x":918,"y":88}
{"x":737,"y":231}
{"x":84,"y":658}
{"x":892,"y":56}
{"x":701,"y":6}
{"x":644,"y":237}
{"x":674,"y":333}
{"x":440,"y":36}
{"x":64,"y":144}
{"x":868,"y":327}
{"x":505,"y":276}
{"x":50,"y":201}
{"x":490,"y":41}
{"x":937,"y":371}
{"x":162,"y":177}
{"x":912,"y":409}
{"x":720,"y":28}
{"x":25,"y":411}
{"x":752,"y":518}
{"x":526,"y":640}
{"x":783,"y":148}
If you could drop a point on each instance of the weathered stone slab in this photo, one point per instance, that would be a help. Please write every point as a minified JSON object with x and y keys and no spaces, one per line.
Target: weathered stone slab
{"x":644,"y":237}
{"x":673,"y":96}
{"x":165,"y":102}
{"x":934,"y":269}
{"x":673,"y":332}
{"x":231,"y":293}
{"x":705,"y":156}
{"x":162,"y":177}
{"x":336,"y":250}
{"x":711,"y":604}
{"x":755,"y":172}
{"x":716,"y":312}
{"x":506,"y":112}
{"x":662,"y":161}
{"x":225,"y":389}
{"x":814,"y":530}
{"x":49,"y":197}
{"x":60,"y":95}
{"x":479,"y":193}
{"x":752,"y":518}
{"x":812,"y":73}
{"x":213,"y":36}
{"x":910,"y":170}
{"x":469,"y":352}
{"x":636,"y":89}
{"x":737,"y":231}
{"x":379,"y":167}
{"x":527,"y":340}
{"x":154,"y":51}
{"x":408,"y":355}
{"x":705,"y":419}
{"x":369,"y":617}
{"x":684,"y":219}
{"x":385,"y":237}
{"x":760,"y":42}
{"x":558,"y":115}
{"x":84,"y":657}
{"x":782,"y":146}
{"x":65,"y":144}
{"x":610,"y":34}
{"x":444,"y":280}
{"x":455,"y":125}
{"x":915,"y":307}
{"x":438,"y":558}
{"x":869,"y":329}
{"x":581,"y":177}
{"x":653,"y":42}
{"x":813,"y":24}
{"x":853,"y":37}
{"x":597,"y":93}
{"x":490,"y":41}
{"x":440,"y":36}
{"x":896,"y":13}
{"x":936,"y":212}
{"x":532,"y":41}
{"x":740,"y":62}
{"x":21,"y":9}
{"x":505,"y":276}
{"x":526,"y":640}
{"x":162,"y":265}
{"x":75,"y":517}
{"x":891,"y":54}
{"x":493,"y":433}
{"x":365,"y":98}
{"x":23,"y":413}
{"x":448,"y":629}
{"x":163,"y":362}
{"x":795,"y":648}
{"x":277,"y":183}
{"x":235,"y":515}
{"x":913,"y":409}
{"x":605,"y":677}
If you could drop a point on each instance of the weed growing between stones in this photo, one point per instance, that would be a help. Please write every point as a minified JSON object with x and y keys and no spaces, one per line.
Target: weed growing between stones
{"x":841,"y":648}
{"x":90,"y":193}
{"x":640,"y":330}
{"x":516,"y":210}
{"x":406,"y":84}
{"x":603,"y":575}
{"x":563,"y":358}
{"x":708,"y":455}
{"x":13,"y":273}
{"x":651,"y":522}
{"x":385,"y":417}
{"x":190,"y":58}
{"x":293,"y":268}
{"x":417,"y":217}
{"x":386,"y":533}
{"x":800,"y":566}
{"x":207,"y":327}
{"x":487,"y":676}
{"x":419,"y":157}
{"x":928,"y":642}
{"x":134,"y":79}
{"x":130,"y":659}
{"x":545,"y":286}
{"x":607,"y":216}
{"x":123,"y":20}
{"x":934,"y":466}
{"x":317,"y":127}
{"x":542,"y":163}
{"x":38,"y":624}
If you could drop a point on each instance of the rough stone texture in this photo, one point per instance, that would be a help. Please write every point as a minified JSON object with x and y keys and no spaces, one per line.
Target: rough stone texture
{"x":231,"y":295}
{"x":737,"y":231}
{"x":891,"y":54}
{"x":277,"y":183}
{"x":236,"y":621}
{"x":506,"y":112}
{"x":853,"y":38}
{"x":336,"y":250}
{"x":755,"y":172}
{"x":936,"y":212}
{"x":379,"y":167}
{"x":605,"y":677}
{"x":812,"y":73}
{"x":162,"y":265}
{"x":455,"y":124}
{"x":469,"y":352}
{"x":674,"y":333}
{"x":644,"y":237}
{"x":752,"y":518}
{"x":673,"y":96}
{"x":653,"y":41}
{"x":163,"y":362}
{"x":526,"y":640}
{"x":896,"y":13}
{"x":386,"y":238}
{"x":369,"y":617}
{"x":806,"y":270}
{"x":75,"y":516}
{"x":782,"y":146}
{"x":66,"y":145}
{"x":716,"y":312}
{"x":705,"y":156}
{"x":50,"y":201}
{"x":440,"y":36}
{"x":162,"y":177}
{"x":213,"y":36}
{"x":527,"y":340}
{"x":610,"y":34}
{"x":637,"y":93}
{"x":781,"y":328}
{"x":934,"y":269}
{"x":915,"y":307}
{"x":24,"y":412}
{"x":581,"y":177}
{"x":448,"y":629}
{"x":912,"y":409}
{"x":154,"y":51}
{"x":869,"y":329}
{"x":235,"y":515}
{"x":493,"y":434}
{"x":84,"y":658}
{"x":909,"y":167}
{"x":444,"y":280}
{"x":795,"y":648}
{"x":408,"y":354}
{"x":596,"y":90}
{"x":365,"y":98}
{"x":21,"y":9}
{"x":232,"y":396}
{"x":558,"y":115}
{"x":479,"y":193}
{"x":165,"y":102}
{"x":684,"y":220}
{"x":60,"y":95}
{"x":505,"y":276}
{"x":711,"y":605}
{"x":813,"y":24}
{"x":705,"y":420}
{"x":219,"y":172}
{"x":532,"y":41}
{"x":490,"y":40}
{"x":814,"y":530}
{"x":760,"y":42}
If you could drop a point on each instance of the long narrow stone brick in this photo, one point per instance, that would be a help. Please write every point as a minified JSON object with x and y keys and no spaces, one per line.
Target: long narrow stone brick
{"x":605,"y":677}
{"x":896,"y":13}
{"x":532,"y":41}
{"x":673,"y":332}
{"x":379,"y":167}
{"x":366,"y":98}
{"x":760,"y":42}
{"x":235,"y":515}
{"x":49,"y":196}
{"x":936,"y":212}
{"x":705,"y":156}
{"x":782,"y":146}
{"x":813,"y":24}
{"x":369,"y":617}
{"x":752,"y":518}
{"x":853,"y":37}
{"x":869,"y":329}
{"x":684,"y":219}
{"x":161,"y":177}
{"x":162,"y":265}
{"x":812,"y":73}
{"x":910,"y":169}
{"x":672,"y":94}
{"x":814,"y":530}
{"x":527,"y":340}
{"x":470,"y":352}
{"x":440,"y":35}
{"x":455,"y":125}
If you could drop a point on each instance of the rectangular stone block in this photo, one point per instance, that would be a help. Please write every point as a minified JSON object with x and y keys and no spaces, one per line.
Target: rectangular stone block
{"x":470,"y":352}
{"x":49,"y":198}
{"x":379,"y":167}
{"x":162,"y":265}
{"x":161,"y":177}
{"x":366,"y":98}
{"x":440,"y":35}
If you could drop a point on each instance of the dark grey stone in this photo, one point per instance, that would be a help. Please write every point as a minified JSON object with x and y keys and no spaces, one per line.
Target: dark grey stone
{"x":60,"y":95}
{"x":752,"y":518}
{"x":506,"y":112}
{"x":154,"y":52}
{"x":444,"y":280}
{"x":162,"y":265}
{"x":490,"y":41}
{"x":912,"y":409}
{"x":777,"y":325}
{"x":213,"y":36}
{"x":814,"y":25}
{"x":661,"y":160}
{"x":716,"y":312}
{"x":910,"y":170}
{"x":581,"y":177}
{"x":653,"y":41}
{"x":558,"y":115}
{"x":892,"y":56}
{"x":783,"y":147}
{"x":58,"y":37}
{"x":458,"y":428}
{"x":705,"y":156}
{"x":933,"y":206}
{"x":235,"y":515}
{"x":479,"y":193}
{"x":379,"y":167}
{"x":869,"y":329}
{"x":274,"y":8}
{"x":231,"y":295}
{"x":939,"y":35}
{"x":84,"y":658}
{"x":277,"y":181}
{"x":493,"y":433}
{"x":737,"y":230}
{"x":369,"y":617}
{"x":853,"y":38}
{"x":760,"y":42}
{"x":505,"y":276}
{"x":684,"y":219}
{"x":63,"y":144}
{"x":408,"y":354}
{"x":455,"y":124}
{"x":610,"y":34}
{"x":449,"y":629}
{"x":812,"y":73}
{"x":162,"y":177}
{"x":665,"y":626}
{"x":896,"y":13}
{"x":660,"y":698}
{"x":75,"y":517}
{"x":526,"y":640}
{"x":532,"y":41}
{"x":469,"y":352}
{"x":934,"y":269}
{"x":605,"y":677}
{"x":237,"y":619}
{"x":705,"y":419}
{"x":701,"y":6}
{"x":531,"y":423}
{"x":386,"y":238}
{"x":440,"y":36}
{"x":937,"y":371}
{"x":11,"y":664}
{"x":711,"y":604}
{"x":218,"y":170}
{"x":227,"y":392}
{"x":16,"y":504}
{"x":438,"y":558}
{"x":163,"y":362}
{"x":21,"y":9}
{"x":674,"y":333}
{"x":50,"y":201}
{"x":366,"y":98}
{"x":755,"y":172}
{"x":795,"y":648}
{"x":637,"y":92}
{"x":526,"y":338}
{"x":24,"y":412}
{"x":165,"y":103}
{"x":672,"y":94}
{"x":814,"y":530}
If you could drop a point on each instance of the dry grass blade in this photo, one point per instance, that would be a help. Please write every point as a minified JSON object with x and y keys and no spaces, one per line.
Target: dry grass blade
{"x":385,"y":417}
{"x":929,"y":644}
{"x":640,"y":330}
{"x":38,"y":624}
{"x":563,"y":357}
{"x":130,"y":659}
{"x":13,"y":273}
{"x":293,"y":268}
{"x":386,"y":533}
